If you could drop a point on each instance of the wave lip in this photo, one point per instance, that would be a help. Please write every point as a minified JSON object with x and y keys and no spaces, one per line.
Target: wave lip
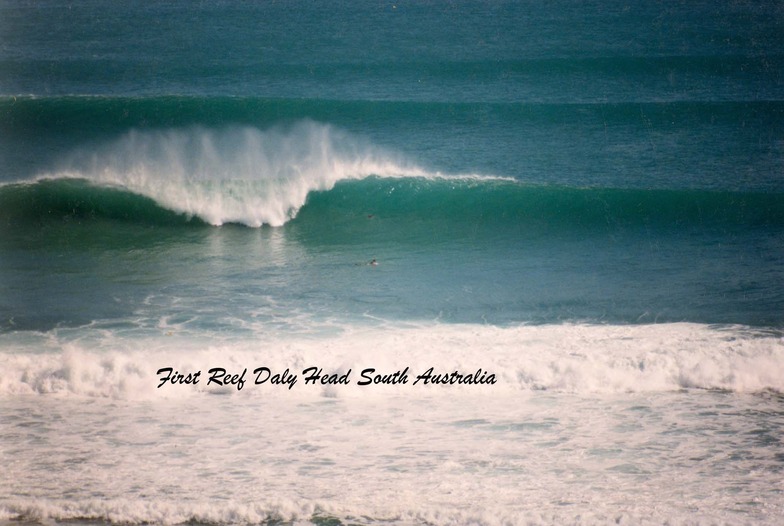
{"x":233,"y":175}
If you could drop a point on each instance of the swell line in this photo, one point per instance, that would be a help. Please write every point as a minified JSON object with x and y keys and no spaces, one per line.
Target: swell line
{"x":406,"y":199}
{"x":98,"y":114}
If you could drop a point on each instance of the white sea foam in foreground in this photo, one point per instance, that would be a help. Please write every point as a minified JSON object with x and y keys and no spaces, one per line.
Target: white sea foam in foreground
{"x":576,"y":359}
{"x":652,"y":424}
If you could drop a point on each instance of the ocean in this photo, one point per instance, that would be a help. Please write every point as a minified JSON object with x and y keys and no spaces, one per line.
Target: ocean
{"x":391,"y":262}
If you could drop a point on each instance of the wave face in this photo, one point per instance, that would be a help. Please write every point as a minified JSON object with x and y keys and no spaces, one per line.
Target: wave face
{"x":494,"y":202}
{"x":67,"y":199}
{"x":266,"y":185}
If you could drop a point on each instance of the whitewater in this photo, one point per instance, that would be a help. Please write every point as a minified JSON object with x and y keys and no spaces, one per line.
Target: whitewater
{"x":575,"y":410}
{"x":581,"y":359}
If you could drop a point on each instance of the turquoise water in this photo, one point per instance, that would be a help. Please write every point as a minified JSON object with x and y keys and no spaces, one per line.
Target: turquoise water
{"x":533,"y":218}
{"x":641,"y":148}
{"x":468,"y":251}
{"x":585,"y":199}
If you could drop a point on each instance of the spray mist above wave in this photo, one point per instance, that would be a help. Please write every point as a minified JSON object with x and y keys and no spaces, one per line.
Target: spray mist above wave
{"x":235,"y":175}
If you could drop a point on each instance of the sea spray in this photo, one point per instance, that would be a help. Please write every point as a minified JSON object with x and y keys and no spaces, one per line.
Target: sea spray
{"x":234,"y":174}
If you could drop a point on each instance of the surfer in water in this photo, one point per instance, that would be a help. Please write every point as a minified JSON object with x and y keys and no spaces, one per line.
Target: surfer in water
{"x":373,"y":262}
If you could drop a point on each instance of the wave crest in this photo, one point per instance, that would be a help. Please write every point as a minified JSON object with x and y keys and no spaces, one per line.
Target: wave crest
{"x":234,"y":175}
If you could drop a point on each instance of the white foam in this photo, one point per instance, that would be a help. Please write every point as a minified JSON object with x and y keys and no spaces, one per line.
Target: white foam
{"x":586,"y":425}
{"x":300,"y":513}
{"x":541,"y":458}
{"x":562,"y":358}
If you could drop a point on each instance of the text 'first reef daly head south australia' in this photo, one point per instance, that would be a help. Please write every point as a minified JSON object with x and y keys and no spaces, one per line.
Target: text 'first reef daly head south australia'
{"x":219,"y":376}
